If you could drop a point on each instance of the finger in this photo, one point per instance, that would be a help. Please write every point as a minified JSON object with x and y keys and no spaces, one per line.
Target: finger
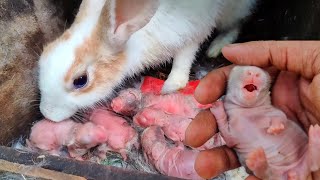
{"x":201,"y":129}
{"x":289,"y":94}
{"x":285,"y":94}
{"x":273,"y":72}
{"x":211,"y":163}
{"x":315,"y":175}
{"x":301,"y":57}
{"x":310,"y":98}
{"x":212,"y":86}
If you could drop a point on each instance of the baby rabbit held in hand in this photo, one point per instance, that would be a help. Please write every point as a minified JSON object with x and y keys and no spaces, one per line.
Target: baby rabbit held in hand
{"x":110,"y":40}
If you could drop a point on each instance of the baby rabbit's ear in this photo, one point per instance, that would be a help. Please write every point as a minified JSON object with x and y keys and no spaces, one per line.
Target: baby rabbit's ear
{"x":127,"y":17}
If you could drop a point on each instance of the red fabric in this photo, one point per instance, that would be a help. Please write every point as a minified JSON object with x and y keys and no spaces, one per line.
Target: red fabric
{"x":154,"y":85}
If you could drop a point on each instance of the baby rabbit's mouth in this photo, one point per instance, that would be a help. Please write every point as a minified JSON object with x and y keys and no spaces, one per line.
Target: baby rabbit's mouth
{"x":250,"y":87}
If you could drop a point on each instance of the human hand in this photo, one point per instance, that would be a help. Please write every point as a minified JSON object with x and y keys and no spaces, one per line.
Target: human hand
{"x":295,"y":68}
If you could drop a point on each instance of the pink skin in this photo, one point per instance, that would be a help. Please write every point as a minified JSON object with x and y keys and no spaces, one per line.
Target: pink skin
{"x":87,"y":136}
{"x":131,"y":101}
{"x":174,"y":126}
{"x":127,"y":102}
{"x":50,"y":137}
{"x":176,"y":104}
{"x":120,"y":135}
{"x":168,"y":160}
{"x":269,"y":144}
{"x":172,"y":112}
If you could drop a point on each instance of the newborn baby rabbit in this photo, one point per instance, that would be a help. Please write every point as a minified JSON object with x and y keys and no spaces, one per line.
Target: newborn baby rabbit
{"x":110,"y":40}
{"x":269,"y":144}
{"x":167,"y":159}
{"x":50,"y":137}
{"x":105,"y":129}
{"x":121,"y":137}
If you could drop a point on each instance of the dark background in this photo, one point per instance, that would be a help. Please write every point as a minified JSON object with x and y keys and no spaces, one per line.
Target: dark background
{"x":284,"y":19}
{"x":271,"y":20}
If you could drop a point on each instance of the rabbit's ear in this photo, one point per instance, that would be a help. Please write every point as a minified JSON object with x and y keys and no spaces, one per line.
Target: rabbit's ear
{"x":127,"y":17}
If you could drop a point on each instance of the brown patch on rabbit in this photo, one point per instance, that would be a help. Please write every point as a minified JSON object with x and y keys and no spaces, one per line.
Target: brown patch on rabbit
{"x":83,"y":53}
{"x":87,"y":55}
{"x":22,"y":37}
{"x":106,"y":71}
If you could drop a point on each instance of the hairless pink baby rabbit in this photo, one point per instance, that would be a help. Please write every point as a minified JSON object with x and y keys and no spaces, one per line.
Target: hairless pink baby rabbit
{"x":267,"y":143}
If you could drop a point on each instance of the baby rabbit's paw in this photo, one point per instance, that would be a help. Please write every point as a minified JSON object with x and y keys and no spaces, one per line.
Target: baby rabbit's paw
{"x":276,"y":127}
{"x":220,"y":41}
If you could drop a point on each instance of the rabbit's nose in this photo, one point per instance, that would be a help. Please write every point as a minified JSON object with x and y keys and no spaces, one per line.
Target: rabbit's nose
{"x":56,"y":113}
{"x":253,"y":73}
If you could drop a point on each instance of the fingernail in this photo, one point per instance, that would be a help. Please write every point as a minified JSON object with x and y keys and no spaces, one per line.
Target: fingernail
{"x":232,"y":45}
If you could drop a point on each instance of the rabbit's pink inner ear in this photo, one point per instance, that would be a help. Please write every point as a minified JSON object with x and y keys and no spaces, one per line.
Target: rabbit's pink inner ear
{"x":132,"y":15}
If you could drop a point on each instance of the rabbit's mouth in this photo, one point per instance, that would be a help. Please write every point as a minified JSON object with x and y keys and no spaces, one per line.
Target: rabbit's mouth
{"x":250,"y":87}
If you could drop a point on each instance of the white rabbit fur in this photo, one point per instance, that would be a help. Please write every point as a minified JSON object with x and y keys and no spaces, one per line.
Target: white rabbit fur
{"x":109,"y":44}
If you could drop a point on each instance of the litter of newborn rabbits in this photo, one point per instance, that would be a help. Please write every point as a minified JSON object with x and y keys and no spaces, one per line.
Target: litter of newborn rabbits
{"x":136,"y":159}
{"x":116,"y":139}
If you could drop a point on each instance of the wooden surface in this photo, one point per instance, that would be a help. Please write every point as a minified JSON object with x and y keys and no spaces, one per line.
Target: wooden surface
{"x":35,"y":171}
{"x":88,"y":170}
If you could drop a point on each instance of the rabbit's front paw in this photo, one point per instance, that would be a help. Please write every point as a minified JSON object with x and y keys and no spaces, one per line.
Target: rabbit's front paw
{"x":222,"y":40}
{"x":174,"y":83}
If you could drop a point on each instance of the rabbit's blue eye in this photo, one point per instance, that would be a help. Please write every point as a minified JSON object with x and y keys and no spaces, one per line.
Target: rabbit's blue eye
{"x":80,"y":82}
